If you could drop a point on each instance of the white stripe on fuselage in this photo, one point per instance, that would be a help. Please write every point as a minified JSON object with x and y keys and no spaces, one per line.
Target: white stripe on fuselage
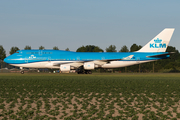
{"x":44,"y":64}
{"x":50,"y":64}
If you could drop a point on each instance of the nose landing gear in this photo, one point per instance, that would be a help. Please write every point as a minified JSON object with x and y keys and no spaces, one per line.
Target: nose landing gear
{"x":22,"y":71}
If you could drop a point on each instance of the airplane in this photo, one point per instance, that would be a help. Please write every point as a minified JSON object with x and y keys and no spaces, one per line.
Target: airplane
{"x":84,"y":62}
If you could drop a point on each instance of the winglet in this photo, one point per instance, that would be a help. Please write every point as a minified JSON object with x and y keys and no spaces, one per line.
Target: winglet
{"x":128,"y":57}
{"x":160,"y":42}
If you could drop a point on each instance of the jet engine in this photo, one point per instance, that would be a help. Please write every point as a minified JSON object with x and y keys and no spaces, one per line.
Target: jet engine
{"x":89,"y":66}
{"x":65,"y":68}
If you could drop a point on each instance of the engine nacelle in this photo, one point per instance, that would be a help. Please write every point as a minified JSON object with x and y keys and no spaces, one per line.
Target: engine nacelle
{"x":89,"y":66}
{"x":65,"y":68}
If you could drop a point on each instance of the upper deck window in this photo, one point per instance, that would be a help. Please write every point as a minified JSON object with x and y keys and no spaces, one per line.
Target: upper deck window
{"x":31,"y":52}
{"x":47,"y":52}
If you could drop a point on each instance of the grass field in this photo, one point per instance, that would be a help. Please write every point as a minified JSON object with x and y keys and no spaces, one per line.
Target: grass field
{"x":96,"y":96}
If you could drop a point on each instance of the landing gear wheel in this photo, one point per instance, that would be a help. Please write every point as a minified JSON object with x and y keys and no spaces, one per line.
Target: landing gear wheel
{"x":81,"y":70}
{"x":22,"y":72}
{"x":88,"y":72}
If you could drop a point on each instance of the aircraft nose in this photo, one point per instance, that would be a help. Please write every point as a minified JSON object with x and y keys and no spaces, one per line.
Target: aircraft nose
{"x":6,"y":60}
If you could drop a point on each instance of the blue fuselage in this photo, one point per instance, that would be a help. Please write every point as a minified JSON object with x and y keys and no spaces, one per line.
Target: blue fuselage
{"x":23,"y":57}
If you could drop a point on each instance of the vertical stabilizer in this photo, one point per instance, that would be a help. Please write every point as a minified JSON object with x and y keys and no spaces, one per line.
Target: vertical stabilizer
{"x":160,"y":42}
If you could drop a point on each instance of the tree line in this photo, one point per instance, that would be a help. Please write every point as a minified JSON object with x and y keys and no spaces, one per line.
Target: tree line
{"x":171,"y":64}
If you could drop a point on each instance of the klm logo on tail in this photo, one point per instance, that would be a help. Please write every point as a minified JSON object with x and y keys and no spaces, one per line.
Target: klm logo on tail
{"x":157,"y":44}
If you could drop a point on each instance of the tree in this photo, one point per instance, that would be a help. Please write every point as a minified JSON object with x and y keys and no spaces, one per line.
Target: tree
{"x":13,"y":50}
{"x":124,"y":49}
{"x":2,"y":54}
{"x":173,"y":60}
{"x":135,"y":47}
{"x":27,"y":47}
{"x":55,"y":48}
{"x":97,"y":49}
{"x":41,"y":48}
{"x":67,"y":49}
{"x":111,"y":48}
{"x":89,"y":48}
{"x":81,"y":49}
{"x":174,"y":56}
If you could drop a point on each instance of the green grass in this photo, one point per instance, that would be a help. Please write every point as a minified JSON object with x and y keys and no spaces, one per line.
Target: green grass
{"x":96,"y":96}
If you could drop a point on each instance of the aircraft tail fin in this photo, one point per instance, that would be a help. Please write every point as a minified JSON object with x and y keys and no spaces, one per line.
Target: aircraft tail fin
{"x":160,"y":42}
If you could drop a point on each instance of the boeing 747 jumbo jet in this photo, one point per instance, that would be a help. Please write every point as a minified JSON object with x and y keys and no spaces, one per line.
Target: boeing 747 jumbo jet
{"x":84,"y":62}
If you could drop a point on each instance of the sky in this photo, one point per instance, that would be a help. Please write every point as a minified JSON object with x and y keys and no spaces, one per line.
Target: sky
{"x":75,"y":23}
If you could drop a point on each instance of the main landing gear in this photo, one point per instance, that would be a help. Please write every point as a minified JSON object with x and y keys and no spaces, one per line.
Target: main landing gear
{"x":81,"y":70}
{"x":85,"y":72}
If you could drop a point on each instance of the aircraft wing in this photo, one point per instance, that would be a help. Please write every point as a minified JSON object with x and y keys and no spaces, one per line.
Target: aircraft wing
{"x":62,"y":63}
{"x":75,"y":63}
{"x":101,"y":62}
{"x":97,"y":62}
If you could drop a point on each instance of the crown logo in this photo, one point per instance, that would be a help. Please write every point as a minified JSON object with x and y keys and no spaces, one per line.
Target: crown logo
{"x":32,"y":56}
{"x":157,"y":40}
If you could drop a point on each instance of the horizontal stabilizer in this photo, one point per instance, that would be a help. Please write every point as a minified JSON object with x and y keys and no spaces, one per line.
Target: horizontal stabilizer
{"x":161,"y":55}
